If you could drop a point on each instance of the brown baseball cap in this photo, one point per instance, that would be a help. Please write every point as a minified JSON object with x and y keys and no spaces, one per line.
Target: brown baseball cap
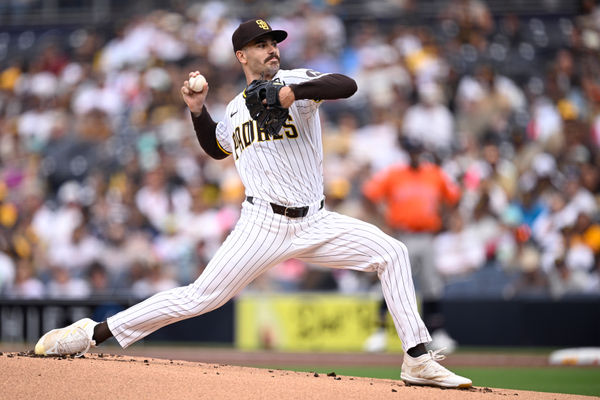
{"x":252,"y":29}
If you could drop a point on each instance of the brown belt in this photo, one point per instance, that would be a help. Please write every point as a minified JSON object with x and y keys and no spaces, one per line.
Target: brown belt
{"x":291,"y":212}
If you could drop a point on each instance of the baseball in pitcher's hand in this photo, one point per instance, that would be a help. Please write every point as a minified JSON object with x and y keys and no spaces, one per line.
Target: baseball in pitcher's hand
{"x":194,"y":100}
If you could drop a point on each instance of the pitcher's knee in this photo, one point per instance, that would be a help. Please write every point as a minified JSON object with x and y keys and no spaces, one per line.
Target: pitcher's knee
{"x":401,"y":248}
{"x":204,"y":302}
{"x":396,"y":257}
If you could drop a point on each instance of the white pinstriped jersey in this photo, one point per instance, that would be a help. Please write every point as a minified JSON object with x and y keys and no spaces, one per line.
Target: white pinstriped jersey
{"x":286,"y":169}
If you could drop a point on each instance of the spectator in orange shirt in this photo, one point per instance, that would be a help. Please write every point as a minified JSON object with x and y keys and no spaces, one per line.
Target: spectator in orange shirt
{"x":414,"y":197}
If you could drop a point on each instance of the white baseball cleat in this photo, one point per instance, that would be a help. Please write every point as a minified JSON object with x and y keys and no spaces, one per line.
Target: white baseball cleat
{"x":425,"y":370}
{"x":75,"y":339}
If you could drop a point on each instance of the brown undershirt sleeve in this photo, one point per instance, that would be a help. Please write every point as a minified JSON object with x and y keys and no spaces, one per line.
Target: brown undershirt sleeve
{"x":206,"y":132}
{"x":327,"y":87}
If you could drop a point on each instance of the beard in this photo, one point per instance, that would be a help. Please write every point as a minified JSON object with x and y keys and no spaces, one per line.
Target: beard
{"x":264,"y":69}
{"x":271,"y":68}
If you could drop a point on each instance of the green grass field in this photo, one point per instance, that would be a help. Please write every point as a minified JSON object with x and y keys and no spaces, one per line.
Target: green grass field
{"x":573,"y":380}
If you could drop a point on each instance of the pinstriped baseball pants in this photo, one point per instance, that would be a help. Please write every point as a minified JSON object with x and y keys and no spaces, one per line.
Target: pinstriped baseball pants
{"x":262,"y":239}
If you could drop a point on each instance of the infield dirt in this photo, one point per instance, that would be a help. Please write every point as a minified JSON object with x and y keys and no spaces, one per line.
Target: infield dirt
{"x":101,"y":376}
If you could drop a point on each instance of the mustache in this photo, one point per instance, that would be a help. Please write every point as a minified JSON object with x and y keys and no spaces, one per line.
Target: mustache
{"x":272,"y":57}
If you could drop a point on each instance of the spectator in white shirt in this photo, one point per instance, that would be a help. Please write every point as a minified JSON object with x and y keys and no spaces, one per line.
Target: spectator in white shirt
{"x":26,"y":286}
{"x":64,"y":286}
{"x":458,"y":251}
{"x":430,"y":120}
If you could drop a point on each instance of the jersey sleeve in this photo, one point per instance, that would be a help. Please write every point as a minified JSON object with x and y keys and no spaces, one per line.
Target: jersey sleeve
{"x":300,"y":75}
{"x":223,"y":132}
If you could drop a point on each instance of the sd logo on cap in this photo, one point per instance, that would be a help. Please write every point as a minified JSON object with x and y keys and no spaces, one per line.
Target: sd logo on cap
{"x":263,"y":24}
{"x":253,"y":29}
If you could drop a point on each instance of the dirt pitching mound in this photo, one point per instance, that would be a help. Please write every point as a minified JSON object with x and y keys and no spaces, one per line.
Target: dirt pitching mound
{"x":101,"y":376}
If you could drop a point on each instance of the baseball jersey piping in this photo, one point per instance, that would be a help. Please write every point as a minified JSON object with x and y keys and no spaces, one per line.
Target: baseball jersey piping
{"x":222,"y":149}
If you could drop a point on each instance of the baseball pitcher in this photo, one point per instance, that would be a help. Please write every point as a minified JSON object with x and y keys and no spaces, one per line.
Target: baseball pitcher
{"x":273,"y":133}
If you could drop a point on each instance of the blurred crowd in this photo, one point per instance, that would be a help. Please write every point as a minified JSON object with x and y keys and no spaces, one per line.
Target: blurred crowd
{"x":104,"y":189}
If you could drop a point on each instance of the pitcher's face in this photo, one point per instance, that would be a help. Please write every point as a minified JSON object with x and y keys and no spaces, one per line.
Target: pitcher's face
{"x":261,"y":57}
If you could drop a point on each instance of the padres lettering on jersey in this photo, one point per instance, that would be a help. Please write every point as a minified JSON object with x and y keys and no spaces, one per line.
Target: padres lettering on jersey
{"x":287,"y":168}
{"x":248,"y":133}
